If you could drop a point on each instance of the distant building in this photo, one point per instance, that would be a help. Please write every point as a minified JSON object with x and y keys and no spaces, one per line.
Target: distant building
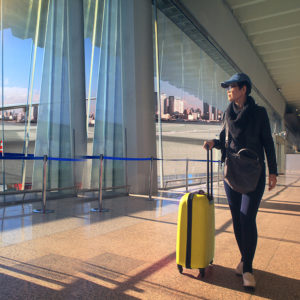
{"x":163,"y":97}
{"x":165,"y":116}
{"x":35,"y":113}
{"x":193,"y":117}
{"x":166,"y":106}
{"x":20,"y":117}
{"x":205,"y":111}
{"x":179,"y":106}
{"x":213,"y":113}
{"x":171,"y":105}
{"x":219,"y":114}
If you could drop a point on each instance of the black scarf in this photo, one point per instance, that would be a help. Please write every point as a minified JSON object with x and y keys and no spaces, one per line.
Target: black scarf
{"x":238,"y":120}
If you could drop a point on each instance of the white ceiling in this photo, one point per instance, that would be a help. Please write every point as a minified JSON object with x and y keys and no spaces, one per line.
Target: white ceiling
{"x":273,"y":28}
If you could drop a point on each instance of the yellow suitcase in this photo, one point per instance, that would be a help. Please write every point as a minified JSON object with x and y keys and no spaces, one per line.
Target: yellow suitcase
{"x":196,"y":229}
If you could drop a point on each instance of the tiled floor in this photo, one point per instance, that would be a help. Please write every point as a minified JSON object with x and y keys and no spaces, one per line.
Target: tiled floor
{"x":129,"y":252}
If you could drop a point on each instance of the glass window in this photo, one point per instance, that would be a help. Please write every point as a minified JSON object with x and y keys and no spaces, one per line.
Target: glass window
{"x":191,"y":100}
{"x":62,"y":96}
{"x":21,"y":67}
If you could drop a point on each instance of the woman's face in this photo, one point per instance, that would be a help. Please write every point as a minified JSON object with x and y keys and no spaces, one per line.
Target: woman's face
{"x":234,"y":93}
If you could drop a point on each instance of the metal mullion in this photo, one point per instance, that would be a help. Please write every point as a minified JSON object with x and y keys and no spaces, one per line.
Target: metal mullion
{"x":160,"y":150}
{"x":29,"y":105}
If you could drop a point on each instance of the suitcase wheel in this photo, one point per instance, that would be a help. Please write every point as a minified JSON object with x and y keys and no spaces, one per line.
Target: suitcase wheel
{"x":180,"y":269}
{"x":202,"y":272}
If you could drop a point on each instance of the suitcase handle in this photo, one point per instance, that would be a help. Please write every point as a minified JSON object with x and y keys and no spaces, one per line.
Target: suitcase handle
{"x":209,"y":174}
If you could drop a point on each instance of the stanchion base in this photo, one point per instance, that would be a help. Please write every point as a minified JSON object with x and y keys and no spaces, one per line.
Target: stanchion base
{"x":41,"y":211}
{"x":99,"y":209}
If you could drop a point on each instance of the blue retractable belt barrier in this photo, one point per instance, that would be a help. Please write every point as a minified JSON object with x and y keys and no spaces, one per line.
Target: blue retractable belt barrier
{"x":65,"y":159}
{"x":21,"y":156}
{"x":116,"y":158}
{"x":125,"y":158}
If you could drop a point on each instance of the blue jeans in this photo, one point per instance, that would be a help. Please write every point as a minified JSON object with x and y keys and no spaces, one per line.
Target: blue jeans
{"x":244,"y":209}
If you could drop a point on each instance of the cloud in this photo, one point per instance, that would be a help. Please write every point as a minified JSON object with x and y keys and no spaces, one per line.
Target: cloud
{"x":18,"y":95}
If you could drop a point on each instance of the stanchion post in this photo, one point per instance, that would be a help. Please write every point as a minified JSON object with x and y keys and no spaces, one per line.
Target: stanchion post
{"x":126,"y":164}
{"x":100,"y":182}
{"x":100,"y":208}
{"x":44,"y":191}
{"x":219,"y":167}
{"x":44,"y":182}
{"x":186,"y":175}
{"x":207,"y":178}
{"x":219,"y":173}
{"x":150,"y":178}
{"x":211,"y":173}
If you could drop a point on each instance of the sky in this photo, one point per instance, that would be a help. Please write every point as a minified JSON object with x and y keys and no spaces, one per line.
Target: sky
{"x":16,"y":69}
{"x":189,"y":100}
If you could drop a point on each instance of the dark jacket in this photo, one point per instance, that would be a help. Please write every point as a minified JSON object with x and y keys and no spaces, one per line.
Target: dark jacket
{"x":258,"y":137}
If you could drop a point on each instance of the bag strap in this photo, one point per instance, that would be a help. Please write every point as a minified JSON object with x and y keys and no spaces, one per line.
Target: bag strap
{"x":249,"y":150}
{"x":226,"y":133}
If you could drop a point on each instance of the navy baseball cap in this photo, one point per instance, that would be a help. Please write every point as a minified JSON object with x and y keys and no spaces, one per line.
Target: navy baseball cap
{"x":239,"y":77}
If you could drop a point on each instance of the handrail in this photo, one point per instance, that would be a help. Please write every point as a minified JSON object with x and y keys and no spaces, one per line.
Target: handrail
{"x":183,"y":179}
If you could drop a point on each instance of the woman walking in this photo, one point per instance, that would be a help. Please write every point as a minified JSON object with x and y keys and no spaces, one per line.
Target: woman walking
{"x":248,"y":127}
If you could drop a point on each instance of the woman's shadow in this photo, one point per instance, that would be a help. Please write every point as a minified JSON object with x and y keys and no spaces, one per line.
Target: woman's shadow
{"x":269,"y":285}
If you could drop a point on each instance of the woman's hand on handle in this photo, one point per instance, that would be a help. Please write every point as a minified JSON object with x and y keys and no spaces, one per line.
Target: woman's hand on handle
{"x":209,"y":144}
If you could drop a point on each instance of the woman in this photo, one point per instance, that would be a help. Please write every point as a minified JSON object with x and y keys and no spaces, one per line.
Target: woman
{"x":249,"y":127}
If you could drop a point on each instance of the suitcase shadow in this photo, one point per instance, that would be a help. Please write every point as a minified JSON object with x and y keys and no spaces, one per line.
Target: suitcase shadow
{"x":269,"y":285}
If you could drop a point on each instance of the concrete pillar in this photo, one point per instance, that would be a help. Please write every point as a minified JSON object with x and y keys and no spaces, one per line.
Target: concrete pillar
{"x":77,"y":82}
{"x":138,"y":91}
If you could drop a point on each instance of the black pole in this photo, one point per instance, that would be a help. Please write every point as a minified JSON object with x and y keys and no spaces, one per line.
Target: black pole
{"x":207,"y":175}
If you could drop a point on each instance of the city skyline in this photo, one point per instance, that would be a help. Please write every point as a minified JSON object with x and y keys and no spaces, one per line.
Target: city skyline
{"x":174,"y":108}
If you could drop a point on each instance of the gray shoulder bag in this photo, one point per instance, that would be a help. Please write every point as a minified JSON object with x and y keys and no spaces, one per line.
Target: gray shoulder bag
{"x":243,"y":169}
